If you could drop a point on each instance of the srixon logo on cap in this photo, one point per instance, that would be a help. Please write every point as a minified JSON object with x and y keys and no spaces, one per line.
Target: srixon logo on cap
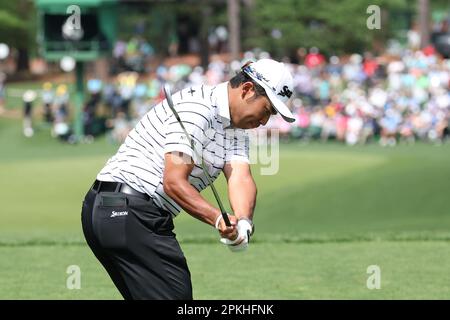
{"x":258,"y":75}
{"x":285,"y":92}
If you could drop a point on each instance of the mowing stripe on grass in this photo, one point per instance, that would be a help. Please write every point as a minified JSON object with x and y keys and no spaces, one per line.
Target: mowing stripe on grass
{"x":277,"y":238}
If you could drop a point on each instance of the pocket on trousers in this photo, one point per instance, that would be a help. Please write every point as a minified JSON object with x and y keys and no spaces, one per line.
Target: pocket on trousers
{"x":110,"y":224}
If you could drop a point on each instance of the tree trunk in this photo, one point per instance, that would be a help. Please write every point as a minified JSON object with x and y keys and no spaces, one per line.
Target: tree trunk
{"x":234,"y":28}
{"x":424,"y":23}
{"x":22,"y":60}
{"x":204,"y":43}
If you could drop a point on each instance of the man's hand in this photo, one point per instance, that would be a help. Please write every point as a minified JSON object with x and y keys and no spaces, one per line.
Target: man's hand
{"x":245,"y":230}
{"x":229,"y":233}
{"x":246,"y":227}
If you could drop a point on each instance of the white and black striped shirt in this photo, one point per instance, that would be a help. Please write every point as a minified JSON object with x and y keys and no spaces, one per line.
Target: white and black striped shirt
{"x":205,"y":113}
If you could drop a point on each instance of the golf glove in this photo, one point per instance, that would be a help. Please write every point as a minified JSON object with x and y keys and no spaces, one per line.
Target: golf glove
{"x":245,"y":230}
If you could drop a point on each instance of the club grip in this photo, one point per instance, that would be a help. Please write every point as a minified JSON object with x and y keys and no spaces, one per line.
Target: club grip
{"x":225,"y":218}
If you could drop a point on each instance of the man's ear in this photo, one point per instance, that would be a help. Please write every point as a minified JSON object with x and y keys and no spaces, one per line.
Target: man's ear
{"x":248,"y":90}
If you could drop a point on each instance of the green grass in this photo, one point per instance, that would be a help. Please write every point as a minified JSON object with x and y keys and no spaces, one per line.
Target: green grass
{"x":266,"y":271}
{"x":329,"y":213}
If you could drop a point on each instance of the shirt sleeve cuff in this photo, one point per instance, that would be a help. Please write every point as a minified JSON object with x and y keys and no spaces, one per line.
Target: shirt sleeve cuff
{"x":237,"y":158}
{"x":181,"y":148}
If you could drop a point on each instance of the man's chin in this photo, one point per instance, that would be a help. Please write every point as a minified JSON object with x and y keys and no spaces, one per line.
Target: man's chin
{"x":251,"y":126}
{"x":248,"y":125}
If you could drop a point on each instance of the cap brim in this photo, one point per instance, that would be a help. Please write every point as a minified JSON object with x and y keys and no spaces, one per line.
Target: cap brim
{"x":280,"y":107}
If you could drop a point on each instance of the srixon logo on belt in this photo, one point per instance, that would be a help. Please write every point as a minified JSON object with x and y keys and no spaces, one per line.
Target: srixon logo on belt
{"x":118,"y":214}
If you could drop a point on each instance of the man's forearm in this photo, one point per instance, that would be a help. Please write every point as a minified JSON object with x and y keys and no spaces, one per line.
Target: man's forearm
{"x":242,"y":194}
{"x":192,"y":202}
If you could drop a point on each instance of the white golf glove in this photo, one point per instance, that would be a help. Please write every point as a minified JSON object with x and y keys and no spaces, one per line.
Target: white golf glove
{"x":245,"y":230}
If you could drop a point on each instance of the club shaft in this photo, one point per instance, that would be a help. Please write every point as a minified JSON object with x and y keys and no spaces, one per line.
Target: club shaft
{"x":210,"y":182}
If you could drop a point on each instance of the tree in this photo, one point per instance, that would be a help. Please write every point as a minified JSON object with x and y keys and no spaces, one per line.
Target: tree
{"x":17,"y":19}
{"x":335,"y":27}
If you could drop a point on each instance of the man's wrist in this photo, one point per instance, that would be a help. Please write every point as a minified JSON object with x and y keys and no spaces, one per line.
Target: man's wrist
{"x":217,"y":221}
{"x":249,"y":222}
{"x":247,"y":219}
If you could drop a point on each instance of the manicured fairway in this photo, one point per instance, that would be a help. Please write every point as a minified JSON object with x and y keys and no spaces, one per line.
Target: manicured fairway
{"x":409,"y":270}
{"x":329,"y":213}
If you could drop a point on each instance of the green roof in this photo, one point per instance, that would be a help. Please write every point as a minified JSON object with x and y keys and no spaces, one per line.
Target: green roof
{"x":65,"y":3}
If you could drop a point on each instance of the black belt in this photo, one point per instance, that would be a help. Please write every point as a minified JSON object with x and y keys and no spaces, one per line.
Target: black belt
{"x":106,"y":186}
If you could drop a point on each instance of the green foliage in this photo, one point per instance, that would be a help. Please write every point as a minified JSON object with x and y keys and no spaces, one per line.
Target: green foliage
{"x":17,"y":23}
{"x":12,"y":28}
{"x":332,"y":26}
{"x":163,"y":19}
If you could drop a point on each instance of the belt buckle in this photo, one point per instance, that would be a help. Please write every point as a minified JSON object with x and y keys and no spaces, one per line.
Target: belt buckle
{"x":128,"y":190}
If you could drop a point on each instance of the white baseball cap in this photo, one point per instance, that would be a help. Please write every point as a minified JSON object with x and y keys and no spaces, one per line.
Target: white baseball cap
{"x":29,"y":96}
{"x":276,"y":80}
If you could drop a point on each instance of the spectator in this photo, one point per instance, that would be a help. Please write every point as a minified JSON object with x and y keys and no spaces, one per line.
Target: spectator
{"x":2,"y":91}
{"x":48,"y":97}
{"x":28,"y":98}
{"x":120,"y":128}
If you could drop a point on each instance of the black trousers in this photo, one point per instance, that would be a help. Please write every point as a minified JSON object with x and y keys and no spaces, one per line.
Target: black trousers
{"x":134,"y":241}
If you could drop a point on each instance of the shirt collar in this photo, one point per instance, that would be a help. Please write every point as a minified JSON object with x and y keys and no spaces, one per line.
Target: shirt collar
{"x":221,"y":101}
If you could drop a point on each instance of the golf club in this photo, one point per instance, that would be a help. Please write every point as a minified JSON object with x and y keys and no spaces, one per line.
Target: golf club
{"x":216,"y":195}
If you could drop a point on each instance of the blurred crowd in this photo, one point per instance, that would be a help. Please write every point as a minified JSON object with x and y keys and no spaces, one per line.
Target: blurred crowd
{"x":355,"y":99}
{"x":55,"y":106}
{"x":131,"y":55}
{"x":358,"y":99}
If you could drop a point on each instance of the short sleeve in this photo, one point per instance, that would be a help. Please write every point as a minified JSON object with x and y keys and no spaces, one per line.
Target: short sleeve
{"x":195,"y":123}
{"x":237,"y":148}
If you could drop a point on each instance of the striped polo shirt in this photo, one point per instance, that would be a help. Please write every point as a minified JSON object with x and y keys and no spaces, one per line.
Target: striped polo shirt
{"x":205,"y":114}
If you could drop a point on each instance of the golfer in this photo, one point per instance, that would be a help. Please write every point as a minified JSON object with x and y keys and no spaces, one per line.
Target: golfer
{"x":127,"y":214}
